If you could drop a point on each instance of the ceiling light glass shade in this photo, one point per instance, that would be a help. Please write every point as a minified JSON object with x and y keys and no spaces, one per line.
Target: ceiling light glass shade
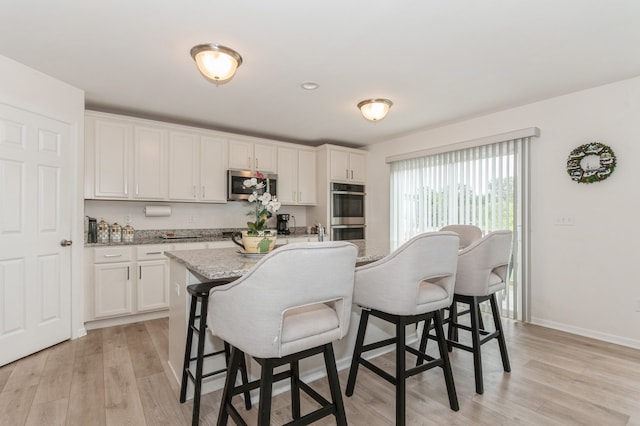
{"x":375,"y":109}
{"x":216,"y":63}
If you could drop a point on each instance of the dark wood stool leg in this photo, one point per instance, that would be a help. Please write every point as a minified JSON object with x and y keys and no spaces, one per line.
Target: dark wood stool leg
{"x":446,"y":364}
{"x":245,"y":380}
{"x":334,"y":384}
{"x":187,"y":350}
{"x":501,"y":341}
{"x":423,"y":340}
{"x":266,"y":387}
{"x":357,"y":352}
{"x":401,"y":389}
{"x":229,"y":385}
{"x":475,"y":339}
{"x":202,"y":336}
{"x":295,"y":389}
{"x":452,"y":332}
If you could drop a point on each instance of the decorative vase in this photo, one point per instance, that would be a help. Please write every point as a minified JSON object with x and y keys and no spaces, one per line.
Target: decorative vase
{"x":264,"y":242}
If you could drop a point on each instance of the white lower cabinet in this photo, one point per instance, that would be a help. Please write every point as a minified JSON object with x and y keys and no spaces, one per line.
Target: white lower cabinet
{"x":128,"y":281}
{"x":113,"y":289}
{"x":153,"y":285}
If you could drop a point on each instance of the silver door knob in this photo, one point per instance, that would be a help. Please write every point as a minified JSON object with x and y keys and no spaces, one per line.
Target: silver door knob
{"x":66,"y":243}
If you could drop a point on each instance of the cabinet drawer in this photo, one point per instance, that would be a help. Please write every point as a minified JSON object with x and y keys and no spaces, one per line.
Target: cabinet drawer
{"x":112,"y":254}
{"x":152,"y":252}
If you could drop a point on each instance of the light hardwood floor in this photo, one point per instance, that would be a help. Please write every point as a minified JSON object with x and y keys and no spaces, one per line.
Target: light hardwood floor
{"x":118,"y":376}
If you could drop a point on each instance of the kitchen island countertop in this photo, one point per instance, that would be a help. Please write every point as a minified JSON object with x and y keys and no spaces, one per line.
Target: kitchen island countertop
{"x":218,"y":263}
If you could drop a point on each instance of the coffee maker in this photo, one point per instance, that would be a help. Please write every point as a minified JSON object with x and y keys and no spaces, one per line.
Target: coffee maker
{"x":283,"y":224}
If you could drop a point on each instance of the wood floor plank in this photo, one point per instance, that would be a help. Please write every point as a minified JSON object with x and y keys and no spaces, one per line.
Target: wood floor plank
{"x":15,"y":405}
{"x":160,"y":404}
{"x":143,"y":354}
{"x":120,"y":376}
{"x":86,"y":397}
{"x":122,"y":398}
{"x":50,"y":413}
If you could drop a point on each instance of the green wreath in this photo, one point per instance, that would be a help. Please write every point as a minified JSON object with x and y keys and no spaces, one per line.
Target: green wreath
{"x":591,"y":162}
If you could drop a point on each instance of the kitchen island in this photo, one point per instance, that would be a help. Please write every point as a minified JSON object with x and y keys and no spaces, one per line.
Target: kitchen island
{"x":195,"y":266}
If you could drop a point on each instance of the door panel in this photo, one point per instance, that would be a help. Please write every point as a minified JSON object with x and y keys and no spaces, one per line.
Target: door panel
{"x":35,"y":271}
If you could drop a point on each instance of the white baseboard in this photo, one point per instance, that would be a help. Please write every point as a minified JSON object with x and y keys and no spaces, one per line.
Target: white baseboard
{"x":605,"y":337}
{"x":127,"y":319}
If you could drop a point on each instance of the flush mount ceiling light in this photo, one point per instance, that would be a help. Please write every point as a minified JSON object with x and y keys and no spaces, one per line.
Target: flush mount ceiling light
{"x":374,"y":109}
{"x":216,"y":63}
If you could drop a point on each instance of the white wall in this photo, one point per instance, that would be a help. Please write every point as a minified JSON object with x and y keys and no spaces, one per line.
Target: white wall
{"x":585,"y":278}
{"x":185,"y":215}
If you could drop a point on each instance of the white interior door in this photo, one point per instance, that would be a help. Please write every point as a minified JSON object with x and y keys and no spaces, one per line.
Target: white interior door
{"x":35,"y":212}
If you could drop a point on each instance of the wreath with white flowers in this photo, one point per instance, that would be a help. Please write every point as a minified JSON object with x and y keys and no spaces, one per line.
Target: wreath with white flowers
{"x":591,"y":162}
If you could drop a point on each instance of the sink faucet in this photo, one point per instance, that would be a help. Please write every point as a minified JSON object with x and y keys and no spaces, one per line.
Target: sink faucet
{"x":320,"y":232}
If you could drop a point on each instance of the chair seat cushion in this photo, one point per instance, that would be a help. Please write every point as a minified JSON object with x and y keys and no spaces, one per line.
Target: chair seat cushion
{"x":307,"y":321}
{"x":432,"y":297}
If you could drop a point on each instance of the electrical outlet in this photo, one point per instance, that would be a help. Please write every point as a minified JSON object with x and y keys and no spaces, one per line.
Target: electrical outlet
{"x":637,"y":305}
{"x":192,"y":219}
{"x":565,"y":221}
{"x":177,"y":289}
{"x":127,"y":218}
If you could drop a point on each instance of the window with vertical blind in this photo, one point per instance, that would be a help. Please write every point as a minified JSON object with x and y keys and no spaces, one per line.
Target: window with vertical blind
{"x":484,"y":185}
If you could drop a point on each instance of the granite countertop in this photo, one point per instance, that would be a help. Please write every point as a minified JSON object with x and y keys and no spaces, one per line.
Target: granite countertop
{"x":177,"y":236}
{"x":212,"y":264}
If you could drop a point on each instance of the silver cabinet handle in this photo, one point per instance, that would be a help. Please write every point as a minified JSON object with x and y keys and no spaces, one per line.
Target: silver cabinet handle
{"x":113,"y":255}
{"x":154,"y":252}
{"x":347,"y":173}
{"x":351,"y":174}
{"x":140,"y":273}
{"x":194,"y":191}
{"x":128,"y":273}
{"x":66,"y":243}
{"x":137,"y":189}
{"x":202,"y":191}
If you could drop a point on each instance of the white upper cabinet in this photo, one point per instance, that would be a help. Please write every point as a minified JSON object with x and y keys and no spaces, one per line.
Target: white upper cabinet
{"x":197,"y":167}
{"x":111,"y":149}
{"x":307,"y":192}
{"x":150,"y":169}
{"x":296,"y":176}
{"x":347,"y":166}
{"x":129,"y":160}
{"x":249,"y":155}
{"x":183,"y":165}
{"x":213,"y":169}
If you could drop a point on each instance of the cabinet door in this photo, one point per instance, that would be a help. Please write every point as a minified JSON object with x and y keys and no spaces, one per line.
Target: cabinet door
{"x":339,"y":165}
{"x":183,"y":152}
{"x":112,"y":144}
{"x":357,"y":165}
{"x":112,"y":289}
{"x":213,"y":168}
{"x":287,"y":175}
{"x":153,"y":285}
{"x":150,"y":163}
{"x":265,"y":158}
{"x":307,"y":177}
{"x":240,"y":155}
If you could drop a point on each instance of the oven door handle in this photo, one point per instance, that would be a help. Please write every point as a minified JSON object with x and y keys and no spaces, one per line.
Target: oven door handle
{"x":347,"y":193}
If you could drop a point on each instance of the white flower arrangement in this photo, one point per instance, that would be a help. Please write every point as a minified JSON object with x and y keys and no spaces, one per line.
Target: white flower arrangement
{"x":265,"y":203}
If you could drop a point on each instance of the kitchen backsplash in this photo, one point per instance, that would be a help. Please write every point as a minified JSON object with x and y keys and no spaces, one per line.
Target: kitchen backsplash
{"x":184,"y":215}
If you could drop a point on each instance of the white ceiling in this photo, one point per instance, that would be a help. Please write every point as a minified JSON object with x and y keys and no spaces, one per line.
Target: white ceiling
{"x":438,"y":61}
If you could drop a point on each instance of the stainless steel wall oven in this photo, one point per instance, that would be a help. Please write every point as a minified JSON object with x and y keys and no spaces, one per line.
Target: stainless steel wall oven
{"x":347,"y":211}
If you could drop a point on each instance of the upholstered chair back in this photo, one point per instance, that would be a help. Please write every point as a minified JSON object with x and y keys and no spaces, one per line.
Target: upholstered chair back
{"x":416,"y":278}
{"x":483,"y":265}
{"x":297,"y":297}
{"x":467,"y":233}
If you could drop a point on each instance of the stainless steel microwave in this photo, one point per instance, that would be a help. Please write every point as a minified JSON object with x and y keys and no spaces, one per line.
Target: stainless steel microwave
{"x":236,"y":189}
